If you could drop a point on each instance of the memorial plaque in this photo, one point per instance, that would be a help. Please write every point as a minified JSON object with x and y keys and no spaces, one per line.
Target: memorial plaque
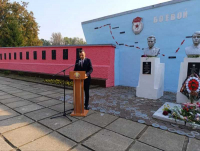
{"x":146,"y":68}
{"x":193,"y":67}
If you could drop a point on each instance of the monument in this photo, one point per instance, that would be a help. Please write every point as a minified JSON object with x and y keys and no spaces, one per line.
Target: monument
{"x":151,"y":51}
{"x":190,"y":66}
{"x":194,"y":50}
{"x":151,"y":80}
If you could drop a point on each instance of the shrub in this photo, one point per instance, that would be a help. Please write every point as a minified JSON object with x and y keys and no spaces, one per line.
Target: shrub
{"x":6,"y":72}
{"x":58,"y":82}
{"x":20,"y":73}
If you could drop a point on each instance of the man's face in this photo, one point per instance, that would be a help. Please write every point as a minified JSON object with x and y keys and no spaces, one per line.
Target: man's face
{"x":151,"y":42}
{"x":196,"y":39}
{"x":82,"y":55}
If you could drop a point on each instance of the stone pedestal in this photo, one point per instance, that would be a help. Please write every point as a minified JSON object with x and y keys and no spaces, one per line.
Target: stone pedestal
{"x":151,"y":85}
{"x":181,"y":98}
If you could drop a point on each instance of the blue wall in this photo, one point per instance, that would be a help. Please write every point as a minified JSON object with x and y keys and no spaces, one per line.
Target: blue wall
{"x":169,"y":35}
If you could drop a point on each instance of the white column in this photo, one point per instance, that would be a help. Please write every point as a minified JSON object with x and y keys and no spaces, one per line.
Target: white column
{"x":151,"y":86}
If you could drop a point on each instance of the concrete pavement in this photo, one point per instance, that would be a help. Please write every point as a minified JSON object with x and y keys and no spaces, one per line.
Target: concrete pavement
{"x":25,"y":124}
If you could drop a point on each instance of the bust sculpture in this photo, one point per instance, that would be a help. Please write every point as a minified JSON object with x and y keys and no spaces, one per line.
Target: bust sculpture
{"x":151,"y":51}
{"x":194,"y":50}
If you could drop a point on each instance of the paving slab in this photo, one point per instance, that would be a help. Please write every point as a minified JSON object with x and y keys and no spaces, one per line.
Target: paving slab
{"x":29,"y":96}
{"x":4,"y":146}
{"x":7,"y":114}
{"x":26,"y":134}
{"x":51,"y":142}
{"x":28,"y":108}
{"x":58,"y":122}
{"x":4,"y":87}
{"x":10,"y":100}
{"x":15,"y":91}
{"x":162,"y":139}
{"x":193,"y":145}
{"x":36,"y":90}
{"x":41,"y":114}
{"x":17,"y":84}
{"x":7,"y":96}
{"x":47,"y":93}
{"x":7,"y":90}
{"x":100,"y":119}
{"x":78,"y":130}
{"x":55,"y":95}
{"x":3,"y":93}
{"x":19,"y":104}
{"x":13,"y":123}
{"x":106,"y":140}
{"x":60,"y":107}
{"x":24,"y":93}
{"x":80,"y":148}
{"x":50,"y":88}
{"x":62,"y":91}
{"x":26,"y":88}
{"x":126,"y":127}
{"x":138,"y":146}
{"x":49,"y":103}
{"x":46,"y":87}
{"x":39,"y":99}
{"x":40,"y":86}
{"x":3,"y":108}
{"x":30,"y":89}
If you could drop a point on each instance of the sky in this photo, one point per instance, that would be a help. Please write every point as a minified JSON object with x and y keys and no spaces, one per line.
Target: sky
{"x":65,"y":16}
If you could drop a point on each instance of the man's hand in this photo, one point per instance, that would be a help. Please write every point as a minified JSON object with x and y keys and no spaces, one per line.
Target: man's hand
{"x":86,"y":76}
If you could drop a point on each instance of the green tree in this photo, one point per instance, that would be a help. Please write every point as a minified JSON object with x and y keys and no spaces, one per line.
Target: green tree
{"x":17,"y":26}
{"x":45,"y":42}
{"x":74,"y":41}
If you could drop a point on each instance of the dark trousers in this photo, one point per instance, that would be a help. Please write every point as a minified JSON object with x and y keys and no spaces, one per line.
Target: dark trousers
{"x":86,"y":89}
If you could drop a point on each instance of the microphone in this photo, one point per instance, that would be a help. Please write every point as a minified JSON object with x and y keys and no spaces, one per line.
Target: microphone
{"x":66,"y":69}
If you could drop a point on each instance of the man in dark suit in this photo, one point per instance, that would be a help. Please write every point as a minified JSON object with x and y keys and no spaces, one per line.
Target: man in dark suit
{"x":84,"y":64}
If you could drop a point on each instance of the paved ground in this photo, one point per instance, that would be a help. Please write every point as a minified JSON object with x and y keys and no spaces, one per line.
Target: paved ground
{"x":25,"y":124}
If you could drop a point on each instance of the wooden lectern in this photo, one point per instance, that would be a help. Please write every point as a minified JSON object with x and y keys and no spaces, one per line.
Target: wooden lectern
{"x":78,"y":90}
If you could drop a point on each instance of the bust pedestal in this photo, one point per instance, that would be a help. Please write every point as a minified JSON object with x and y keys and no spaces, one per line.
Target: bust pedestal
{"x":151,"y":85}
{"x":181,"y":98}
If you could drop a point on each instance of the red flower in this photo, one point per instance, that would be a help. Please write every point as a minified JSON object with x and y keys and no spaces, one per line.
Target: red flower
{"x":193,"y":85}
{"x":165,"y":113}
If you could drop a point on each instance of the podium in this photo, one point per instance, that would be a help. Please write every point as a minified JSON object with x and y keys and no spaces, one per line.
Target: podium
{"x":151,"y":80}
{"x":78,"y":91}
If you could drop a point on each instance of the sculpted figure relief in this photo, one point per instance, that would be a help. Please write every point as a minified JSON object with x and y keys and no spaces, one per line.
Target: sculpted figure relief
{"x":151,"y":51}
{"x":194,"y":50}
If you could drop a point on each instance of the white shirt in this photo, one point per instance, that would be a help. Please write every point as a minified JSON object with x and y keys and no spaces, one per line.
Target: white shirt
{"x":81,"y":62}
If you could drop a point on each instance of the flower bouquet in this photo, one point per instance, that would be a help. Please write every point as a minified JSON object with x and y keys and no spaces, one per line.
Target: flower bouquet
{"x":166,"y":110}
{"x":191,"y":88}
{"x":188,"y":112}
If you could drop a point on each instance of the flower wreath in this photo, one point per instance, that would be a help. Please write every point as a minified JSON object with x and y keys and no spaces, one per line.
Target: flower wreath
{"x":191,"y":86}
